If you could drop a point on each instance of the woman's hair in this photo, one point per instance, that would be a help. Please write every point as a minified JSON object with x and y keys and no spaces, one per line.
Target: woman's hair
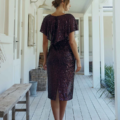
{"x":56,"y":3}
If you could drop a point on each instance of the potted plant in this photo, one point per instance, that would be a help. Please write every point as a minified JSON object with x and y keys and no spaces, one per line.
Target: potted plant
{"x":108,"y":82}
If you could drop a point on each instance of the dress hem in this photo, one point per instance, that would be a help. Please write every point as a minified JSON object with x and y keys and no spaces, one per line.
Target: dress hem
{"x":61,"y":99}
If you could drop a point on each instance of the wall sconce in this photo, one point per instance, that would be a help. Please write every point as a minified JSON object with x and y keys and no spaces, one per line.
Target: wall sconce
{"x":33,"y":1}
{"x":44,"y":6}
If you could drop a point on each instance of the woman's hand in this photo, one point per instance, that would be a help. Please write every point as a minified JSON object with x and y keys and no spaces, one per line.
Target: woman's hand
{"x":78,"y":66}
{"x":44,"y":65}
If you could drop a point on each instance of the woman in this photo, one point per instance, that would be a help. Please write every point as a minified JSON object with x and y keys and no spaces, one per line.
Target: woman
{"x":60,"y":61}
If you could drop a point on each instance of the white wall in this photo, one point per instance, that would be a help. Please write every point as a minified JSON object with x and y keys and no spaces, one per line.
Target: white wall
{"x":6,"y":70}
{"x":108,"y":40}
{"x":28,"y":52}
{"x":2,"y":15}
{"x":28,"y":61}
{"x":6,"y":44}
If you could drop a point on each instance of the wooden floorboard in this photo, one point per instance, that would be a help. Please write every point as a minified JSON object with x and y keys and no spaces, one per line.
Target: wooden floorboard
{"x":82,"y":103}
{"x":34,"y":105}
{"x":106,"y":108}
{"x":85,"y":105}
{"x":89,"y":103}
{"x":76,"y":106}
{"x":20,"y":115}
{"x":110,"y":102}
{"x":40,"y":108}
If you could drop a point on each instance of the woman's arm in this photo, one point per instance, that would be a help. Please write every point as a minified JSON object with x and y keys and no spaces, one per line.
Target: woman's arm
{"x":73,"y":46}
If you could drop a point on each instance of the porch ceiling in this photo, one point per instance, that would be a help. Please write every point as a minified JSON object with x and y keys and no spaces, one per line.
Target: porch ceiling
{"x":105,"y":3}
{"x":77,"y":6}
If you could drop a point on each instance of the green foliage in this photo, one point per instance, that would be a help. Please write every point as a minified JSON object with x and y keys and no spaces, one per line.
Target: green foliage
{"x":108,"y":82}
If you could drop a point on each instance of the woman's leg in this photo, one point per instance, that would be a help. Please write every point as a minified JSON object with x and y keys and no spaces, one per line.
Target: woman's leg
{"x":62,"y":109}
{"x":55,"y":107}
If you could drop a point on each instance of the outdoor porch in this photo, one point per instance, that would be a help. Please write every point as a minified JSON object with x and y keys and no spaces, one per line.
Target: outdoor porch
{"x":85,"y":105}
{"x":19,"y":58}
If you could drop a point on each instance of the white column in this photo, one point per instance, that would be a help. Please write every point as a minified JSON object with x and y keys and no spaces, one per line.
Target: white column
{"x":102,"y":43}
{"x":86,"y":45}
{"x":116,"y":23}
{"x":113,"y":42}
{"x":79,"y":38}
{"x":25,"y":5}
{"x":95,"y":43}
{"x":39,"y":41}
{"x":20,"y":27}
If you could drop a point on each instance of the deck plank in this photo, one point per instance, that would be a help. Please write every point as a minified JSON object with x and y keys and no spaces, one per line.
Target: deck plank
{"x":76,"y":108}
{"x":39,"y":110}
{"x":96,"y":105}
{"x":89,"y":103}
{"x":46,"y":110}
{"x":102,"y":102}
{"x":85,"y":112}
{"x":20,"y":115}
{"x":85,"y":105}
{"x":34,"y":105}
{"x":69,"y":111}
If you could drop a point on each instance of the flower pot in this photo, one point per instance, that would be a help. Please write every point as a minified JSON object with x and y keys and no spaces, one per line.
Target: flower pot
{"x":33,"y":88}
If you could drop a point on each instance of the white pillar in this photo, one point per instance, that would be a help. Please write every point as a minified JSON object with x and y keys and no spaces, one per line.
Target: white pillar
{"x":25,"y":5}
{"x":95,"y":43}
{"x":86,"y":45}
{"x":79,"y":38}
{"x":102,"y":43}
{"x":113,"y":42}
{"x":116,"y":23}
{"x":39,"y":41}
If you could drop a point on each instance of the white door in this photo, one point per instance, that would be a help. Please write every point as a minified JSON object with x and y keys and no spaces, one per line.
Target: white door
{"x":17,"y":41}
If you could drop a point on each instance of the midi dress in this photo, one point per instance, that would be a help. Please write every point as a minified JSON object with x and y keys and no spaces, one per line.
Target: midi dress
{"x":60,"y":58}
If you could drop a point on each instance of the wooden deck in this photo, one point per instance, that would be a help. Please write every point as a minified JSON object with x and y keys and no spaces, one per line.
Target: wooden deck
{"x":85,"y":105}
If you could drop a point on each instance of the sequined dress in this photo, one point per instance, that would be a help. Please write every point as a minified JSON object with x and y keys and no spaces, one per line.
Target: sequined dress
{"x":60,"y":58}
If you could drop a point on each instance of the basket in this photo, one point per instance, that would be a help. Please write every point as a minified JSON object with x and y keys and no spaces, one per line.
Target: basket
{"x":39,"y":75}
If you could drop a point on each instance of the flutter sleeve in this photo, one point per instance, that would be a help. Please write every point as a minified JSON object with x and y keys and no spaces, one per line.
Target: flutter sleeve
{"x":43,"y":28}
{"x":72,"y":24}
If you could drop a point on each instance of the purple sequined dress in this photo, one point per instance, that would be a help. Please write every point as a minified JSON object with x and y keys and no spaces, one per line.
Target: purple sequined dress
{"x":60,"y":58}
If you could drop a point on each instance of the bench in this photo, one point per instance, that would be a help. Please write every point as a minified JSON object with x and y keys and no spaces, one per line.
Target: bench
{"x":11,"y":97}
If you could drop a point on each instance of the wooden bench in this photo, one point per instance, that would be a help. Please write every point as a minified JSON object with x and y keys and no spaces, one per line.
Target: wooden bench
{"x":11,"y":97}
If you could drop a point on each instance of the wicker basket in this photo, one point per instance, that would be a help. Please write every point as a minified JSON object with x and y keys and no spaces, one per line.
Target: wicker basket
{"x":39,"y":75}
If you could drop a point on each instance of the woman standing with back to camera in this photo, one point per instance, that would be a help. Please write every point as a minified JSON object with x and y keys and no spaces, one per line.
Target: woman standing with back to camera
{"x":60,"y":61}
